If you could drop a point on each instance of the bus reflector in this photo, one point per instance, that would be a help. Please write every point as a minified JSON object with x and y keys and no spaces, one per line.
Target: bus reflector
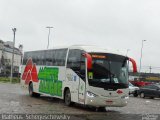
{"x":119,"y":91}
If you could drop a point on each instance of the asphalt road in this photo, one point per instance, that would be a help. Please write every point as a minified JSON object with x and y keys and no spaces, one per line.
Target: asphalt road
{"x":14,"y":100}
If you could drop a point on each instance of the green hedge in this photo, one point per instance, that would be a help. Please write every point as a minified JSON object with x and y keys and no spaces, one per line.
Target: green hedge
{"x":7,"y":79}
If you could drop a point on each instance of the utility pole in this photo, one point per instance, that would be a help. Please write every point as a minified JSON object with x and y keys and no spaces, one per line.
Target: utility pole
{"x":150,"y":69}
{"x":141,"y":58}
{"x":49,"y":27}
{"x":127,"y":51}
{"x":14,"y":32}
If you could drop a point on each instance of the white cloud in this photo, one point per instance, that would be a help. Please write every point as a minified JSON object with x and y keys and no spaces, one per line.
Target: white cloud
{"x":119,"y":24}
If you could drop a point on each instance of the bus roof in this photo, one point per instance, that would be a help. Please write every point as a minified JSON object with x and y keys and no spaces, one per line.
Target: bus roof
{"x":91,"y":48}
{"x":87,"y":48}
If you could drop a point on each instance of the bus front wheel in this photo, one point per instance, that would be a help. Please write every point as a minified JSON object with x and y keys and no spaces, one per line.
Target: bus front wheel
{"x":67,"y":98}
{"x":100,"y":109}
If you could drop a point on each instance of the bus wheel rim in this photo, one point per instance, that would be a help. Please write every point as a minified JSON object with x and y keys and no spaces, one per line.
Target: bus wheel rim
{"x":67,"y":98}
{"x":142,"y":95}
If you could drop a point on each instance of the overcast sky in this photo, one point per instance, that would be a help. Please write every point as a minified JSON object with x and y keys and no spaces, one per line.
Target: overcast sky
{"x":116,"y":24}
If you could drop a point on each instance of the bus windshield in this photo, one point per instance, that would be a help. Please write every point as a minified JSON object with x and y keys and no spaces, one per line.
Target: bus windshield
{"x":109,"y":71}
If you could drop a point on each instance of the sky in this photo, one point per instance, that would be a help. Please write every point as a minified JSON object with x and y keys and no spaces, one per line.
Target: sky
{"x":115,"y":24}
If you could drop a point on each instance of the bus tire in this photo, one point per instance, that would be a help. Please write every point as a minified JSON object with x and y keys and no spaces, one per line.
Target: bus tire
{"x":67,"y":98}
{"x":101,"y":109}
{"x":31,"y":93}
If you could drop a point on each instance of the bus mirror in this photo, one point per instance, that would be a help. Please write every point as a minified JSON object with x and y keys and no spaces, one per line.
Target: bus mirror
{"x":133,"y":64}
{"x":89,"y":60}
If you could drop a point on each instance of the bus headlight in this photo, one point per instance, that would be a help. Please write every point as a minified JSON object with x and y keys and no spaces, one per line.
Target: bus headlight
{"x":125,"y":97}
{"x":90,"y":94}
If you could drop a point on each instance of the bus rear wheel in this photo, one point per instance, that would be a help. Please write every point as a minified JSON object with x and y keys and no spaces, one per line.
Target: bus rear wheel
{"x":31,"y":93}
{"x":67,"y":98}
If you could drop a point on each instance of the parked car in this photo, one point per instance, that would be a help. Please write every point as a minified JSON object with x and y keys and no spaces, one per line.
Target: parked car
{"x":140,"y":83}
{"x":133,"y":89}
{"x":151,"y":91}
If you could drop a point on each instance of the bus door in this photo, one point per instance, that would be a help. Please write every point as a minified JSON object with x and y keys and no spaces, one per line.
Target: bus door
{"x":76,"y":71}
{"x":82,"y":81}
{"x":81,"y":96}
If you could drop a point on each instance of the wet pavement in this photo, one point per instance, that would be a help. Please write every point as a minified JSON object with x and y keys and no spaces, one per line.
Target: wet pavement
{"x":14,"y":100}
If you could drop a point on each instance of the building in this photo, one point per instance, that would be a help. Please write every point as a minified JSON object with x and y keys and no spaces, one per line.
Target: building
{"x":151,"y":77}
{"x":6,"y":50}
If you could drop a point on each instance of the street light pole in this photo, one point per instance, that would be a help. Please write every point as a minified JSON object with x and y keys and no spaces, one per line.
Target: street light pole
{"x":14,"y":32}
{"x":49,"y":27}
{"x":127,"y":51}
{"x":141,"y":58}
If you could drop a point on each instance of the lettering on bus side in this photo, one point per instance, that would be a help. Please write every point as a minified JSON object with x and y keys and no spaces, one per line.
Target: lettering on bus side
{"x":49,"y":82}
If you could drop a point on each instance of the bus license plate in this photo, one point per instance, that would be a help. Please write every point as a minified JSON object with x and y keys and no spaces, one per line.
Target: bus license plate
{"x":109,"y":101}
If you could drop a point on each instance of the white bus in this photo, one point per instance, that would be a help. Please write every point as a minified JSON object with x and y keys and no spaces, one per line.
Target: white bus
{"x":86,"y":75}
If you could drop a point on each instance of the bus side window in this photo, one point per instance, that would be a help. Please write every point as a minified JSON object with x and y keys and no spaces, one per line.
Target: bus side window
{"x":49,"y":56}
{"x":59,"y":57}
{"x":40,"y":57}
{"x":33,"y":55}
{"x":25,"y":58}
{"x":29,"y":55}
{"x":76,"y":62}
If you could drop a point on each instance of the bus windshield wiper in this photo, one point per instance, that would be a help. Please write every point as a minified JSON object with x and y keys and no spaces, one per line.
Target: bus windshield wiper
{"x":98,"y":83}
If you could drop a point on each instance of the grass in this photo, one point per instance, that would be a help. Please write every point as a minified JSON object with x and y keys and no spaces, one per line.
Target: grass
{"x":7,"y":79}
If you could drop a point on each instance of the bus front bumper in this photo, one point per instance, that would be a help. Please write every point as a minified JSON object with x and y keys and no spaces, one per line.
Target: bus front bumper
{"x":97,"y":101}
